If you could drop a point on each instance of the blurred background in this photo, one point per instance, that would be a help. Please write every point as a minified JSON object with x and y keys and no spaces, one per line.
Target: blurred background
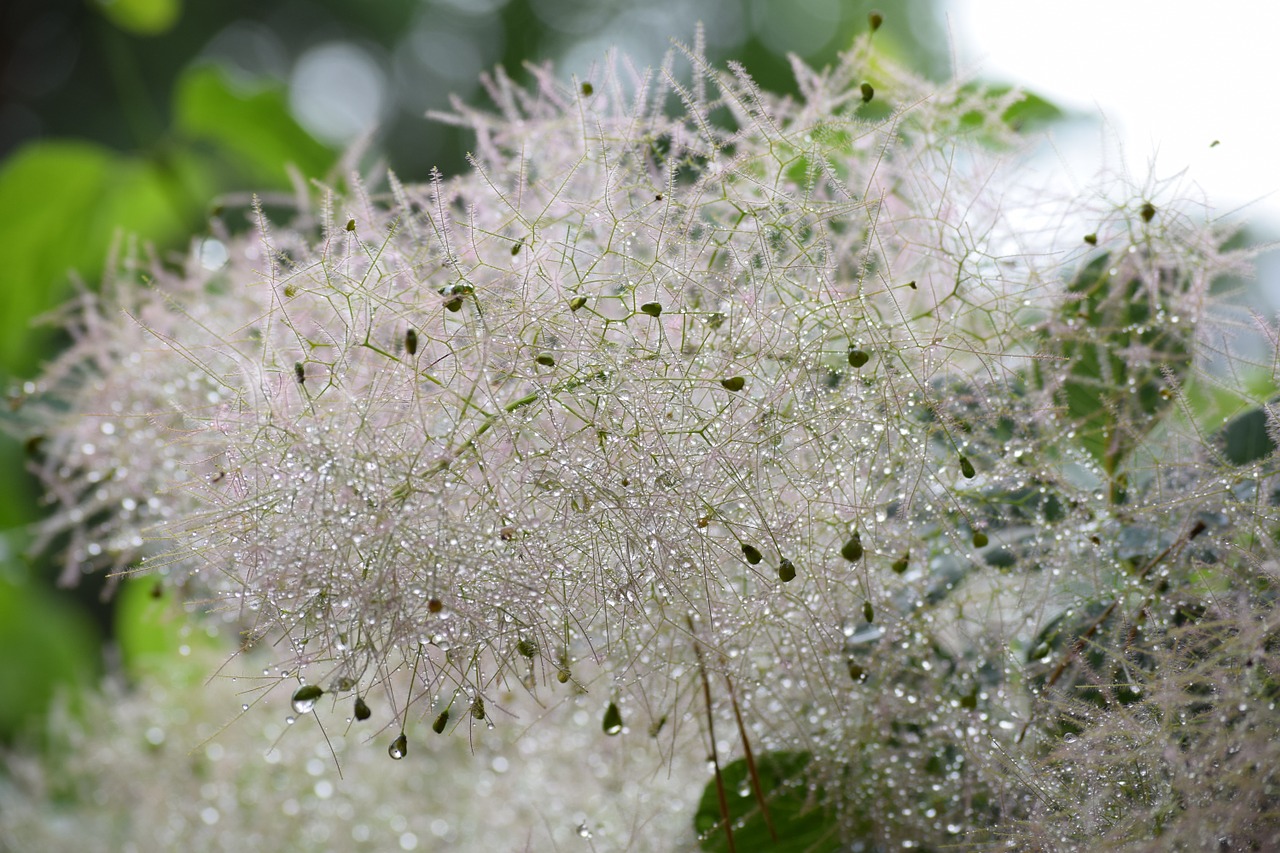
{"x":141,"y":117}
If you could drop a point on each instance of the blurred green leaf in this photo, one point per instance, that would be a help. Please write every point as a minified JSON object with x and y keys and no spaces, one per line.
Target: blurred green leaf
{"x":799,"y":819}
{"x":67,"y":201}
{"x":152,"y":629}
{"x":250,"y":127}
{"x":141,"y":17}
{"x":1245,"y":439}
{"x":48,"y":645}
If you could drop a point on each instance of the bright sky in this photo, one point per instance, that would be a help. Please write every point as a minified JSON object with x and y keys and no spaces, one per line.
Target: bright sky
{"x":1170,"y":78}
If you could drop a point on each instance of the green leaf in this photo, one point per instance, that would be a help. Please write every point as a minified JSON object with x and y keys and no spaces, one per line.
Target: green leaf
{"x":49,"y":645}
{"x":802,"y":824}
{"x":65,"y":203}
{"x":1245,"y":439}
{"x":141,"y":17}
{"x":249,"y":125}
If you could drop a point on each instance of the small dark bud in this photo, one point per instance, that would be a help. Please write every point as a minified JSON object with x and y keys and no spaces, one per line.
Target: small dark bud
{"x":868,"y":92}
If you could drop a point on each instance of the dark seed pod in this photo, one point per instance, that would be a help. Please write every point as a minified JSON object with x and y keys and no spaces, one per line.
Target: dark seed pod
{"x":852,"y":550}
{"x":980,"y":539}
{"x":751,"y":553}
{"x":733,"y":383}
{"x":362,"y":711}
{"x":440,"y":722}
{"x":856,"y":672}
{"x":653,"y":309}
{"x":612,"y":723}
{"x":527,"y":648}
{"x":454,"y":303}
{"x":477,"y":708}
{"x":1091,"y":239}
{"x":577,"y":302}
{"x":546,"y":359}
{"x":515,"y":249}
{"x":351,"y":225}
{"x":912,"y":285}
{"x":399,"y":747}
{"x":858,"y":357}
{"x":868,"y":92}
{"x":786,"y":570}
{"x":1147,"y":211}
{"x":588,"y":90}
{"x":874,"y":20}
{"x":299,"y":372}
{"x":900,"y":565}
{"x":304,"y":698}
{"x":966,"y":468}
{"x":868,"y":611}
{"x":411,"y":342}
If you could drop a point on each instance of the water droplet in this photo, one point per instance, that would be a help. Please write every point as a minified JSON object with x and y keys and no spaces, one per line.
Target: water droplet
{"x":752,"y":554}
{"x":868,"y":611}
{"x":653,"y":309}
{"x":1091,"y":239}
{"x":733,"y":383}
{"x":852,"y":550}
{"x":966,"y":468}
{"x":900,"y":565}
{"x":440,"y":722}
{"x":399,"y":747}
{"x":351,"y":225}
{"x":588,"y":90}
{"x":304,"y":698}
{"x":858,"y":357}
{"x":868,"y":92}
{"x":362,"y":709}
{"x":980,"y":539}
{"x":546,"y":359}
{"x":786,"y":570}
{"x":563,"y":676}
{"x":477,"y":708}
{"x":583,"y":830}
{"x":577,"y":302}
{"x":612,"y":723}
{"x":874,"y":20}
{"x":411,"y":342}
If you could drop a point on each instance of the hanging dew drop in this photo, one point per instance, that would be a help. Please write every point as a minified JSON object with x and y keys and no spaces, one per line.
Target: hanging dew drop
{"x":351,"y":225}
{"x":1147,"y":211}
{"x":900,"y":565}
{"x":588,"y":90}
{"x":786,"y":570}
{"x":858,"y":357}
{"x":752,"y":554}
{"x":362,"y":711}
{"x":733,"y":383}
{"x":304,"y":698}
{"x":1091,"y":239}
{"x":411,"y":342}
{"x":577,"y":302}
{"x":852,"y":550}
{"x":612,"y":723}
{"x":546,"y":360}
{"x":868,"y":92}
{"x":399,"y":747}
{"x":980,"y":539}
{"x":868,"y":611}
{"x":440,"y":722}
{"x":653,"y":309}
{"x":563,"y":676}
{"x":477,"y":708}
{"x":966,"y":468}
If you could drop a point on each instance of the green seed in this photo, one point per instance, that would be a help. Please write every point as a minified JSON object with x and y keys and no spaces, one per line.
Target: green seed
{"x":856,"y":672}
{"x":858,"y":357}
{"x":868,"y":612}
{"x":786,"y":570}
{"x":304,"y":698}
{"x":1091,"y":239}
{"x":966,"y":468}
{"x":577,"y":302}
{"x":751,"y":553}
{"x":1147,"y":211}
{"x":653,"y":309}
{"x":868,"y":92}
{"x":546,"y":360}
{"x":362,"y":709}
{"x":875,"y":19}
{"x":398,"y":747}
{"x":588,"y":90}
{"x":411,"y":342}
{"x":440,"y":722}
{"x":852,"y":550}
{"x":980,"y":539}
{"x":515,"y":249}
{"x":733,"y":383}
{"x":612,"y":723}
{"x":351,"y":225}
{"x":900,"y":565}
